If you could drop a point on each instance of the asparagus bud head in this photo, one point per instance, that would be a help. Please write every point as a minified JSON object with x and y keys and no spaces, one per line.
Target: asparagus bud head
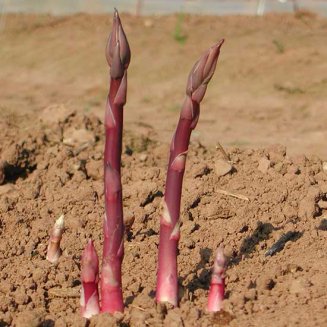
{"x":202,"y":73}
{"x":118,"y":53}
{"x":197,"y":82}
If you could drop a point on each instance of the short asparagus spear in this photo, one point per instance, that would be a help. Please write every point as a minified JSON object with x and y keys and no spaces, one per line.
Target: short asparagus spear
{"x":199,"y":77}
{"x":90,"y":277}
{"x":217,"y":285}
{"x":118,"y":57}
{"x":54,"y":251}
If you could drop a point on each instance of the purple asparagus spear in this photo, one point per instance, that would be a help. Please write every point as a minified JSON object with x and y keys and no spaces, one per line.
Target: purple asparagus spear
{"x":199,"y":77}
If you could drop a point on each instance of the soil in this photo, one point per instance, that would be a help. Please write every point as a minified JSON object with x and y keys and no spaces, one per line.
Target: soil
{"x":270,"y":80}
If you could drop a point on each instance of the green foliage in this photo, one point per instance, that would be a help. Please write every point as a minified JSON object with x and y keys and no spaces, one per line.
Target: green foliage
{"x":175,"y":107}
{"x":178,"y":34}
{"x":288,"y":89}
{"x":279,"y":46}
{"x":137,"y":143}
{"x":146,"y":99}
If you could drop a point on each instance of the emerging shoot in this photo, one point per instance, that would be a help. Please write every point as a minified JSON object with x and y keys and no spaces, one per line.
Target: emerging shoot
{"x":54,"y":251}
{"x":90,"y":277}
{"x":217,"y":285}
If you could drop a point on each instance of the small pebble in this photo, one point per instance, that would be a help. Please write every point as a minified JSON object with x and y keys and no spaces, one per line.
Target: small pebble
{"x":222,"y":167}
{"x":77,"y":137}
{"x":143,"y":157}
{"x":322,"y":204}
{"x":263,"y":165}
{"x":265,"y":283}
{"x":293,"y":268}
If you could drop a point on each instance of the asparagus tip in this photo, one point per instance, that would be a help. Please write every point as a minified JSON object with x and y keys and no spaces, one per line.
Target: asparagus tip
{"x":89,"y":262}
{"x":202,"y":72}
{"x":118,"y":53}
{"x":60,"y":223}
{"x":217,"y":285}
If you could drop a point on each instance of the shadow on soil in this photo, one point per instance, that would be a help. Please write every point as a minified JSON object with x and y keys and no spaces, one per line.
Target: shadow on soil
{"x":12,"y":173}
{"x":323,"y":225}
{"x":261,"y":233}
{"x":202,"y":275}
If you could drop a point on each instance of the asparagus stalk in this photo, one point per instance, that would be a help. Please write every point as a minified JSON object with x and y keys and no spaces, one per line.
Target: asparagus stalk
{"x":54,"y":251}
{"x":90,"y":277}
{"x":118,"y":57}
{"x":217,"y":285}
{"x":199,"y":77}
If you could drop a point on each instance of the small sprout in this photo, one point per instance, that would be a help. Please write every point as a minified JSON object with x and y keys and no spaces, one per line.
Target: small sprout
{"x":90,"y":277}
{"x":54,"y":251}
{"x":217,"y":285}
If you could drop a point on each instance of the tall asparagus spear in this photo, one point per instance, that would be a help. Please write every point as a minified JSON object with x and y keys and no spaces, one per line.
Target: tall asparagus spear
{"x":199,"y":77}
{"x":118,"y":57}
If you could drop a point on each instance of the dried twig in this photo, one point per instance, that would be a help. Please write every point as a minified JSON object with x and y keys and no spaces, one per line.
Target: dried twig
{"x":234,"y":195}
{"x":136,"y":307}
{"x":222,"y":150}
{"x":64,"y":292}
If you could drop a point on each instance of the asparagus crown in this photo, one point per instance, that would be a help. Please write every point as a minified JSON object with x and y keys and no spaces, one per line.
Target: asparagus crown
{"x":118,"y":53}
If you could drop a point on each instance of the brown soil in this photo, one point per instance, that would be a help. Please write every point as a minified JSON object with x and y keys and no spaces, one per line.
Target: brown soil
{"x":270,"y":80}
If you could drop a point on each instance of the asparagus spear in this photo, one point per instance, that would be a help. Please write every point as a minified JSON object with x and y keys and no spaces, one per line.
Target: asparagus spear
{"x":199,"y":77}
{"x":118,"y":57}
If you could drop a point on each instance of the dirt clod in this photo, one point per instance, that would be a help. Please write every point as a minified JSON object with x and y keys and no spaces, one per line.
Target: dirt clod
{"x":263,"y":165}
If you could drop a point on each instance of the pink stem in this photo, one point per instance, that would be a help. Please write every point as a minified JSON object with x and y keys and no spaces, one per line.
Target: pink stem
{"x":217,"y":285}
{"x":118,"y":57}
{"x":90,"y":276}
{"x":200,"y":75}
